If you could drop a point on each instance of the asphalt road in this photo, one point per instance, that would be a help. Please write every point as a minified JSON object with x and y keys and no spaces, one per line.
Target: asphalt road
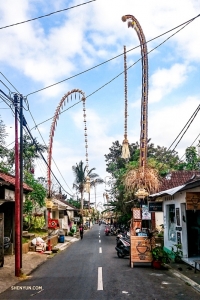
{"x":90,"y":270}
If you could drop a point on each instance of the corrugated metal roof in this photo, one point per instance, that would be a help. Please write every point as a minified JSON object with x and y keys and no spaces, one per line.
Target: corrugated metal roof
{"x":11,"y":179}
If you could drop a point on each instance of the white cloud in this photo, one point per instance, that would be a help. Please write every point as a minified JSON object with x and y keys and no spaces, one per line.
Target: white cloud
{"x":164,"y":81}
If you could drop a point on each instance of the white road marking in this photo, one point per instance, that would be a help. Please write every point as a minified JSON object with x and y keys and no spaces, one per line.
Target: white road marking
{"x":99,"y":236}
{"x":100,"y":280}
{"x":100,"y":250}
{"x":99,"y":241}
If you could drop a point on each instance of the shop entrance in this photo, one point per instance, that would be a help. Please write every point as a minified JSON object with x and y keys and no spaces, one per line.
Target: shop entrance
{"x":193,"y":232}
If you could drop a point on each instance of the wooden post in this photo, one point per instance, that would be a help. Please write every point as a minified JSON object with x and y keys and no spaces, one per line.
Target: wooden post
{"x":1,"y":239}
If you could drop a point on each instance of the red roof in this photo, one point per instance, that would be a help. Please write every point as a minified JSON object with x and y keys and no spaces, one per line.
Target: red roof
{"x":11,"y":179}
{"x":177,"y":178}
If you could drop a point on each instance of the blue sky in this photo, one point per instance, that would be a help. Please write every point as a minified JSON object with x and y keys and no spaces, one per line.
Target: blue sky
{"x":37,"y":54}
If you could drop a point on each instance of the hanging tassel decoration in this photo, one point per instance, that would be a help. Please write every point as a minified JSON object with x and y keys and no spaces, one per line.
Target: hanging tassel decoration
{"x":125,"y":149}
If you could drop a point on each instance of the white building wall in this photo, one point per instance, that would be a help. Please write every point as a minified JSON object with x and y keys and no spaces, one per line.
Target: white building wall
{"x":180,"y":202}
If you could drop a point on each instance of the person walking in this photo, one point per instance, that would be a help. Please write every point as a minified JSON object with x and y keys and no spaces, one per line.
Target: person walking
{"x":81,"y":231}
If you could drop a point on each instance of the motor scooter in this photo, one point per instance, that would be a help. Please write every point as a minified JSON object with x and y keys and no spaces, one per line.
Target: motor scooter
{"x":6,"y":242}
{"x":107,"y":230}
{"x":123,"y":247}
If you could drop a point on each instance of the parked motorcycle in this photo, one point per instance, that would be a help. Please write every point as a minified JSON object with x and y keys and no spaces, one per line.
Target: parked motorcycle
{"x":123,"y":247}
{"x":7,"y":242}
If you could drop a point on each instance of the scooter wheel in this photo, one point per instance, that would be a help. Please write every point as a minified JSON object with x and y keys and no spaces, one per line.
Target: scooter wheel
{"x":120,"y":255}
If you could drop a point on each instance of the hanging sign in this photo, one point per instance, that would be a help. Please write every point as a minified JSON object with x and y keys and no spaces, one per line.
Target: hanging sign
{"x":146,"y":215}
{"x":53,"y":223}
{"x":155,"y":206}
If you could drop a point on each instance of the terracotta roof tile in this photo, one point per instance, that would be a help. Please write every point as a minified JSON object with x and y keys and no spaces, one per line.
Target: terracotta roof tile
{"x":177,"y":178}
{"x":11,"y":179}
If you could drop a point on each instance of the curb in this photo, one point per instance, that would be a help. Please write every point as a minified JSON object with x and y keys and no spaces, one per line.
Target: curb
{"x":189,"y":281}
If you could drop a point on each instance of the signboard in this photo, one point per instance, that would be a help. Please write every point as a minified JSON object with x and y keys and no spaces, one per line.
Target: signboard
{"x":155,"y":206}
{"x":193,"y":201}
{"x":53,"y":223}
{"x":76,"y":219}
{"x":146,"y":215}
{"x":178,"y":238}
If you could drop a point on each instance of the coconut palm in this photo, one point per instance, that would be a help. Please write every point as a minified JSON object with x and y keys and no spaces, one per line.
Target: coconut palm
{"x":81,"y":173}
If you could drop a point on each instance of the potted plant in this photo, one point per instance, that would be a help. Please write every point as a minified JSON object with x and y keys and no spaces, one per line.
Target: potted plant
{"x":160,"y":257}
{"x":177,"y":252}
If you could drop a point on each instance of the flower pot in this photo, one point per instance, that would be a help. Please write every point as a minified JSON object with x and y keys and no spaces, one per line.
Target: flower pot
{"x":156,"y":264}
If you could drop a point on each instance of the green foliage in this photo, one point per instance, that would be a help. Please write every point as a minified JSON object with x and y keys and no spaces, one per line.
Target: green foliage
{"x":31,"y":150}
{"x":192,"y":160}
{"x":70,"y":233}
{"x":33,"y":223}
{"x":38,"y":194}
{"x":75,"y":203}
{"x":159,"y":254}
{"x":177,"y":252}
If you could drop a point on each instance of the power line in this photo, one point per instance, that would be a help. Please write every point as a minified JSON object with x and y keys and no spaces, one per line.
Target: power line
{"x":29,"y":133}
{"x":190,"y":146}
{"x":118,"y":74}
{"x":46,"y":146}
{"x":194,"y":114}
{"x":47,"y":15}
{"x":187,"y":23}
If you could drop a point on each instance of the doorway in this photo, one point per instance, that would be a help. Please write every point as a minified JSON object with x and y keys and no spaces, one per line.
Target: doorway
{"x":193,"y":230}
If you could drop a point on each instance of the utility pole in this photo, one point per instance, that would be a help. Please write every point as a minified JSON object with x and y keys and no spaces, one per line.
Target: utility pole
{"x":21,"y":173}
{"x":17,"y":195}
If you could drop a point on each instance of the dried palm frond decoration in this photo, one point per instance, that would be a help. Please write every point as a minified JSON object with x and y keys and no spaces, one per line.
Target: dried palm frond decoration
{"x":125,"y":146}
{"x":138,"y":178}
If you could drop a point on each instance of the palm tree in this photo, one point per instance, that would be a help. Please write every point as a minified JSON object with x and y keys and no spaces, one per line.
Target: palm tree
{"x":81,"y":173}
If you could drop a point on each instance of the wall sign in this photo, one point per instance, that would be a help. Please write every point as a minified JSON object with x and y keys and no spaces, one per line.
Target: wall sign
{"x":155,"y":206}
{"x":146,"y":215}
{"x":178,"y":217}
{"x":192,"y":201}
{"x":178,"y":238}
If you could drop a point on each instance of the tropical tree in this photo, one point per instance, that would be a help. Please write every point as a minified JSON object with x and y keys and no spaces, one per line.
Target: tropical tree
{"x":81,"y":173}
{"x":4,"y":166}
{"x":162,"y":158}
{"x":192,"y":159}
{"x":31,"y":151}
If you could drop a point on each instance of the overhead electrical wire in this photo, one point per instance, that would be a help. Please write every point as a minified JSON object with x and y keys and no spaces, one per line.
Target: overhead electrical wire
{"x":116,"y":75}
{"x":47,"y":15}
{"x":185,"y":23}
{"x":45,"y":159}
{"x":194,"y":116}
{"x":46,"y":146}
{"x":29,"y":133}
{"x":188,"y":122}
{"x":191,"y":145}
{"x":187,"y":125}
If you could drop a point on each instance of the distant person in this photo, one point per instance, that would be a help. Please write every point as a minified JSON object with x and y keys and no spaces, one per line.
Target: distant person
{"x":81,"y":231}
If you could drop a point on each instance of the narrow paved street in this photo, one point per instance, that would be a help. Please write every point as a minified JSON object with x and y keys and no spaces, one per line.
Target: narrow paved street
{"x":90,"y":270}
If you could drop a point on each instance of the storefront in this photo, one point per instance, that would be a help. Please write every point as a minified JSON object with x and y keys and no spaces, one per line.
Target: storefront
{"x":181,"y":218}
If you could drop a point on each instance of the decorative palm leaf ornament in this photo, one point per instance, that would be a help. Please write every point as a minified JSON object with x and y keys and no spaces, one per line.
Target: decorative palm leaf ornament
{"x":58,"y":111}
{"x":143,"y":179}
{"x":125,"y":146}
